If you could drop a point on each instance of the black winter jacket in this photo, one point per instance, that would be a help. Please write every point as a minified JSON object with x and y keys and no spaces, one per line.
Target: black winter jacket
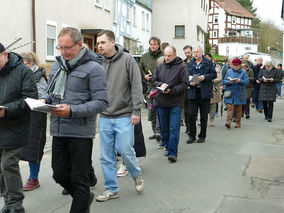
{"x":207,"y":69}
{"x":16,"y":83}
{"x":175,"y":75}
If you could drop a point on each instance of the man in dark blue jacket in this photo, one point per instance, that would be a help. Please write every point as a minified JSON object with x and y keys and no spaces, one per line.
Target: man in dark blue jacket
{"x":201,"y":72}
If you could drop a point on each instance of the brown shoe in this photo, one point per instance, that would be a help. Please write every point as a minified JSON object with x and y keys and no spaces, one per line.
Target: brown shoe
{"x":238,"y":126}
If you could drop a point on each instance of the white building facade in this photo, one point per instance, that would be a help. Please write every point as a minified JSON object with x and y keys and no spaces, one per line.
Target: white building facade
{"x":142,"y":22}
{"x":230,"y":29}
{"x":180,"y":23}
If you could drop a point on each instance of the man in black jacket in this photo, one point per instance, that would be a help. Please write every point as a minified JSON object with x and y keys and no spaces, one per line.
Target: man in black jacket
{"x":202,"y":72}
{"x":172,"y":77}
{"x":16,"y":83}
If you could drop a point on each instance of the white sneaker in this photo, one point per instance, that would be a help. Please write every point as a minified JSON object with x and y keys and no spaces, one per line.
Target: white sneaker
{"x":139,"y":183}
{"x":107,"y":195}
{"x":122,"y":171}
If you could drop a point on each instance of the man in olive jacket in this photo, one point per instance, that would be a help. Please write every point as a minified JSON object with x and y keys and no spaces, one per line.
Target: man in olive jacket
{"x":16,"y":83}
{"x":148,"y":64}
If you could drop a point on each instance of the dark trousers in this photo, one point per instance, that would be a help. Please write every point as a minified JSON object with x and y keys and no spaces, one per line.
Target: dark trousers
{"x":185,"y":108}
{"x":71,"y":160}
{"x":246,"y":107}
{"x":204,"y":107}
{"x":10,"y":178}
{"x":268,"y":109}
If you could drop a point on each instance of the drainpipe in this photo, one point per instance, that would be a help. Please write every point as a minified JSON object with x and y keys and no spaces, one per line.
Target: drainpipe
{"x":34,"y":26}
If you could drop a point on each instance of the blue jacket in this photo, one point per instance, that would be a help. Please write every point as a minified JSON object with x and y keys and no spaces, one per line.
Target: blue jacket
{"x":207,"y":69}
{"x":238,"y":96}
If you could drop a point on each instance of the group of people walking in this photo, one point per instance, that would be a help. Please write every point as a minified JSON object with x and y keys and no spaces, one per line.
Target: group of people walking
{"x":82,"y":84}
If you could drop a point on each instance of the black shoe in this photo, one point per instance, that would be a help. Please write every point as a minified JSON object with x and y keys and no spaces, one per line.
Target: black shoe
{"x":65,"y":192}
{"x":4,"y":210}
{"x":21,"y":210}
{"x":190,"y":140}
{"x":200,"y":140}
{"x":152,"y":137}
{"x":187,"y":130}
{"x":247,"y":116}
{"x":91,"y":198}
{"x":234,"y":119}
{"x":172,"y":159}
{"x":269,"y":120}
{"x":166,"y":153}
{"x":158,"y":137}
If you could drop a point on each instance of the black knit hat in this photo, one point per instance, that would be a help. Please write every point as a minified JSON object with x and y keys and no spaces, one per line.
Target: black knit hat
{"x":2,"y":48}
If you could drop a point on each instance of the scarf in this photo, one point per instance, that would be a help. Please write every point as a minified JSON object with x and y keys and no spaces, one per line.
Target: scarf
{"x":57,"y":85}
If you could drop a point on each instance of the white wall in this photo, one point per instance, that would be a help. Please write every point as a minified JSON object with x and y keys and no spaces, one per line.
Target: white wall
{"x":16,"y":22}
{"x":139,"y":32}
{"x":168,"y":13}
{"x":236,"y":49}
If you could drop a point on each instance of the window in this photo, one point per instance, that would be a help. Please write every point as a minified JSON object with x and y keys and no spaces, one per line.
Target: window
{"x":216,"y":19}
{"x":106,"y":5}
{"x":50,"y":39}
{"x":134,"y":17}
{"x":233,"y":19}
{"x":143,"y":20}
{"x":179,"y":31}
{"x":147,"y":22}
{"x":114,"y":10}
{"x":129,"y":13}
{"x":99,"y":3}
{"x":215,"y":34}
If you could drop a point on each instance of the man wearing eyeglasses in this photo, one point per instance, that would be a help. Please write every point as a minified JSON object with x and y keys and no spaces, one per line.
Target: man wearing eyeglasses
{"x":16,"y":83}
{"x":202,"y":72}
{"x":78,"y":86}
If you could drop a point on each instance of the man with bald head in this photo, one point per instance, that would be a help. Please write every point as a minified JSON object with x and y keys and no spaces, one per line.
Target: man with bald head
{"x":202,"y":72}
{"x":172,"y":77}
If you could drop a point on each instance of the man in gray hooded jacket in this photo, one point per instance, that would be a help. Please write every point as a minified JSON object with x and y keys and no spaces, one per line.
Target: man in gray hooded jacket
{"x":117,"y":122}
{"x":77,"y":84}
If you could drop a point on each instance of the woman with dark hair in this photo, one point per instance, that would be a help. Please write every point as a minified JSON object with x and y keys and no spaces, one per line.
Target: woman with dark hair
{"x":33,"y":151}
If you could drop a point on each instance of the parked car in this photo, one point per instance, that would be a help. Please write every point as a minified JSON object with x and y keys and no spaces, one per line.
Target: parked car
{"x":254,"y":55}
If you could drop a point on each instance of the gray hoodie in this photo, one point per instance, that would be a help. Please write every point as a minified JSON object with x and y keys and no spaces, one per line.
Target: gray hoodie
{"x":124,"y":85}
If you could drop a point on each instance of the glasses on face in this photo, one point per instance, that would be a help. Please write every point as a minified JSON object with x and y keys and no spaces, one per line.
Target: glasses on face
{"x":65,"y":49}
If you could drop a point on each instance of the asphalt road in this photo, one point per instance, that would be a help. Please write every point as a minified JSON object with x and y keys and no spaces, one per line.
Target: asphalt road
{"x":234,"y":171}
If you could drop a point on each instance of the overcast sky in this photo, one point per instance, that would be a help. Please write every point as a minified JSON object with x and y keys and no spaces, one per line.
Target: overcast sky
{"x":269,"y":10}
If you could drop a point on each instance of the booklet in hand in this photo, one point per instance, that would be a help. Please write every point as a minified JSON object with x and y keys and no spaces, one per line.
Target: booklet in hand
{"x":233,"y":79}
{"x":264,"y":78}
{"x":194,"y":78}
{"x":37,"y":105}
{"x":3,"y":107}
{"x":162,"y":89}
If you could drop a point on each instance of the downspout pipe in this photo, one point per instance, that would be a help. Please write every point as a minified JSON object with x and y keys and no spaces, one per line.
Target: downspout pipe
{"x":34,"y":26}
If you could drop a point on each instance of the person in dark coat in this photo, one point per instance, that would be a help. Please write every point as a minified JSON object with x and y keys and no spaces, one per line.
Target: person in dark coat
{"x":256,"y":86}
{"x":200,"y":93}
{"x":16,"y":83}
{"x":33,"y":152}
{"x":268,"y":77}
{"x":171,"y":76}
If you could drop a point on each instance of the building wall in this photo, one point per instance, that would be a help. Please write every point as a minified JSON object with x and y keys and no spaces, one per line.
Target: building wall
{"x":80,"y":14}
{"x":141,"y":30}
{"x":236,"y":49}
{"x":167,"y":13}
{"x":15,"y":22}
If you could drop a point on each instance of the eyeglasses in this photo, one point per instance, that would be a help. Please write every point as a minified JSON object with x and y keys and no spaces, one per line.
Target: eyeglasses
{"x":65,"y":48}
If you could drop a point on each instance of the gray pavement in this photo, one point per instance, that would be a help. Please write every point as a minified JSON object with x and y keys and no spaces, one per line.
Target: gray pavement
{"x":235,"y":171}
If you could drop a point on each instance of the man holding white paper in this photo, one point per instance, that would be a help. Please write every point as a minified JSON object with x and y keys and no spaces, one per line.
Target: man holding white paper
{"x":77,"y":83}
{"x":16,"y":83}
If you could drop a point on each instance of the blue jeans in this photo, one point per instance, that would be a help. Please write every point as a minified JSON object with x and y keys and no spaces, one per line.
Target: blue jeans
{"x":279,"y":85}
{"x":34,"y":170}
{"x":258,"y":104}
{"x":170,"y":127}
{"x":117,"y":135}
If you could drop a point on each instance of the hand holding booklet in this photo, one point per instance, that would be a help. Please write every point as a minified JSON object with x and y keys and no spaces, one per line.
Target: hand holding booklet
{"x":3,"y":107}
{"x":163,"y":89}
{"x":37,"y":105}
{"x":233,"y":79}
{"x":194,"y":78}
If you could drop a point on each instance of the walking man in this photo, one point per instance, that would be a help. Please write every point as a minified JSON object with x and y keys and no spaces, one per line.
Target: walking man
{"x":78,"y":85}
{"x":16,"y":83}
{"x":148,"y":65}
{"x":200,"y":93}
{"x":117,"y":122}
